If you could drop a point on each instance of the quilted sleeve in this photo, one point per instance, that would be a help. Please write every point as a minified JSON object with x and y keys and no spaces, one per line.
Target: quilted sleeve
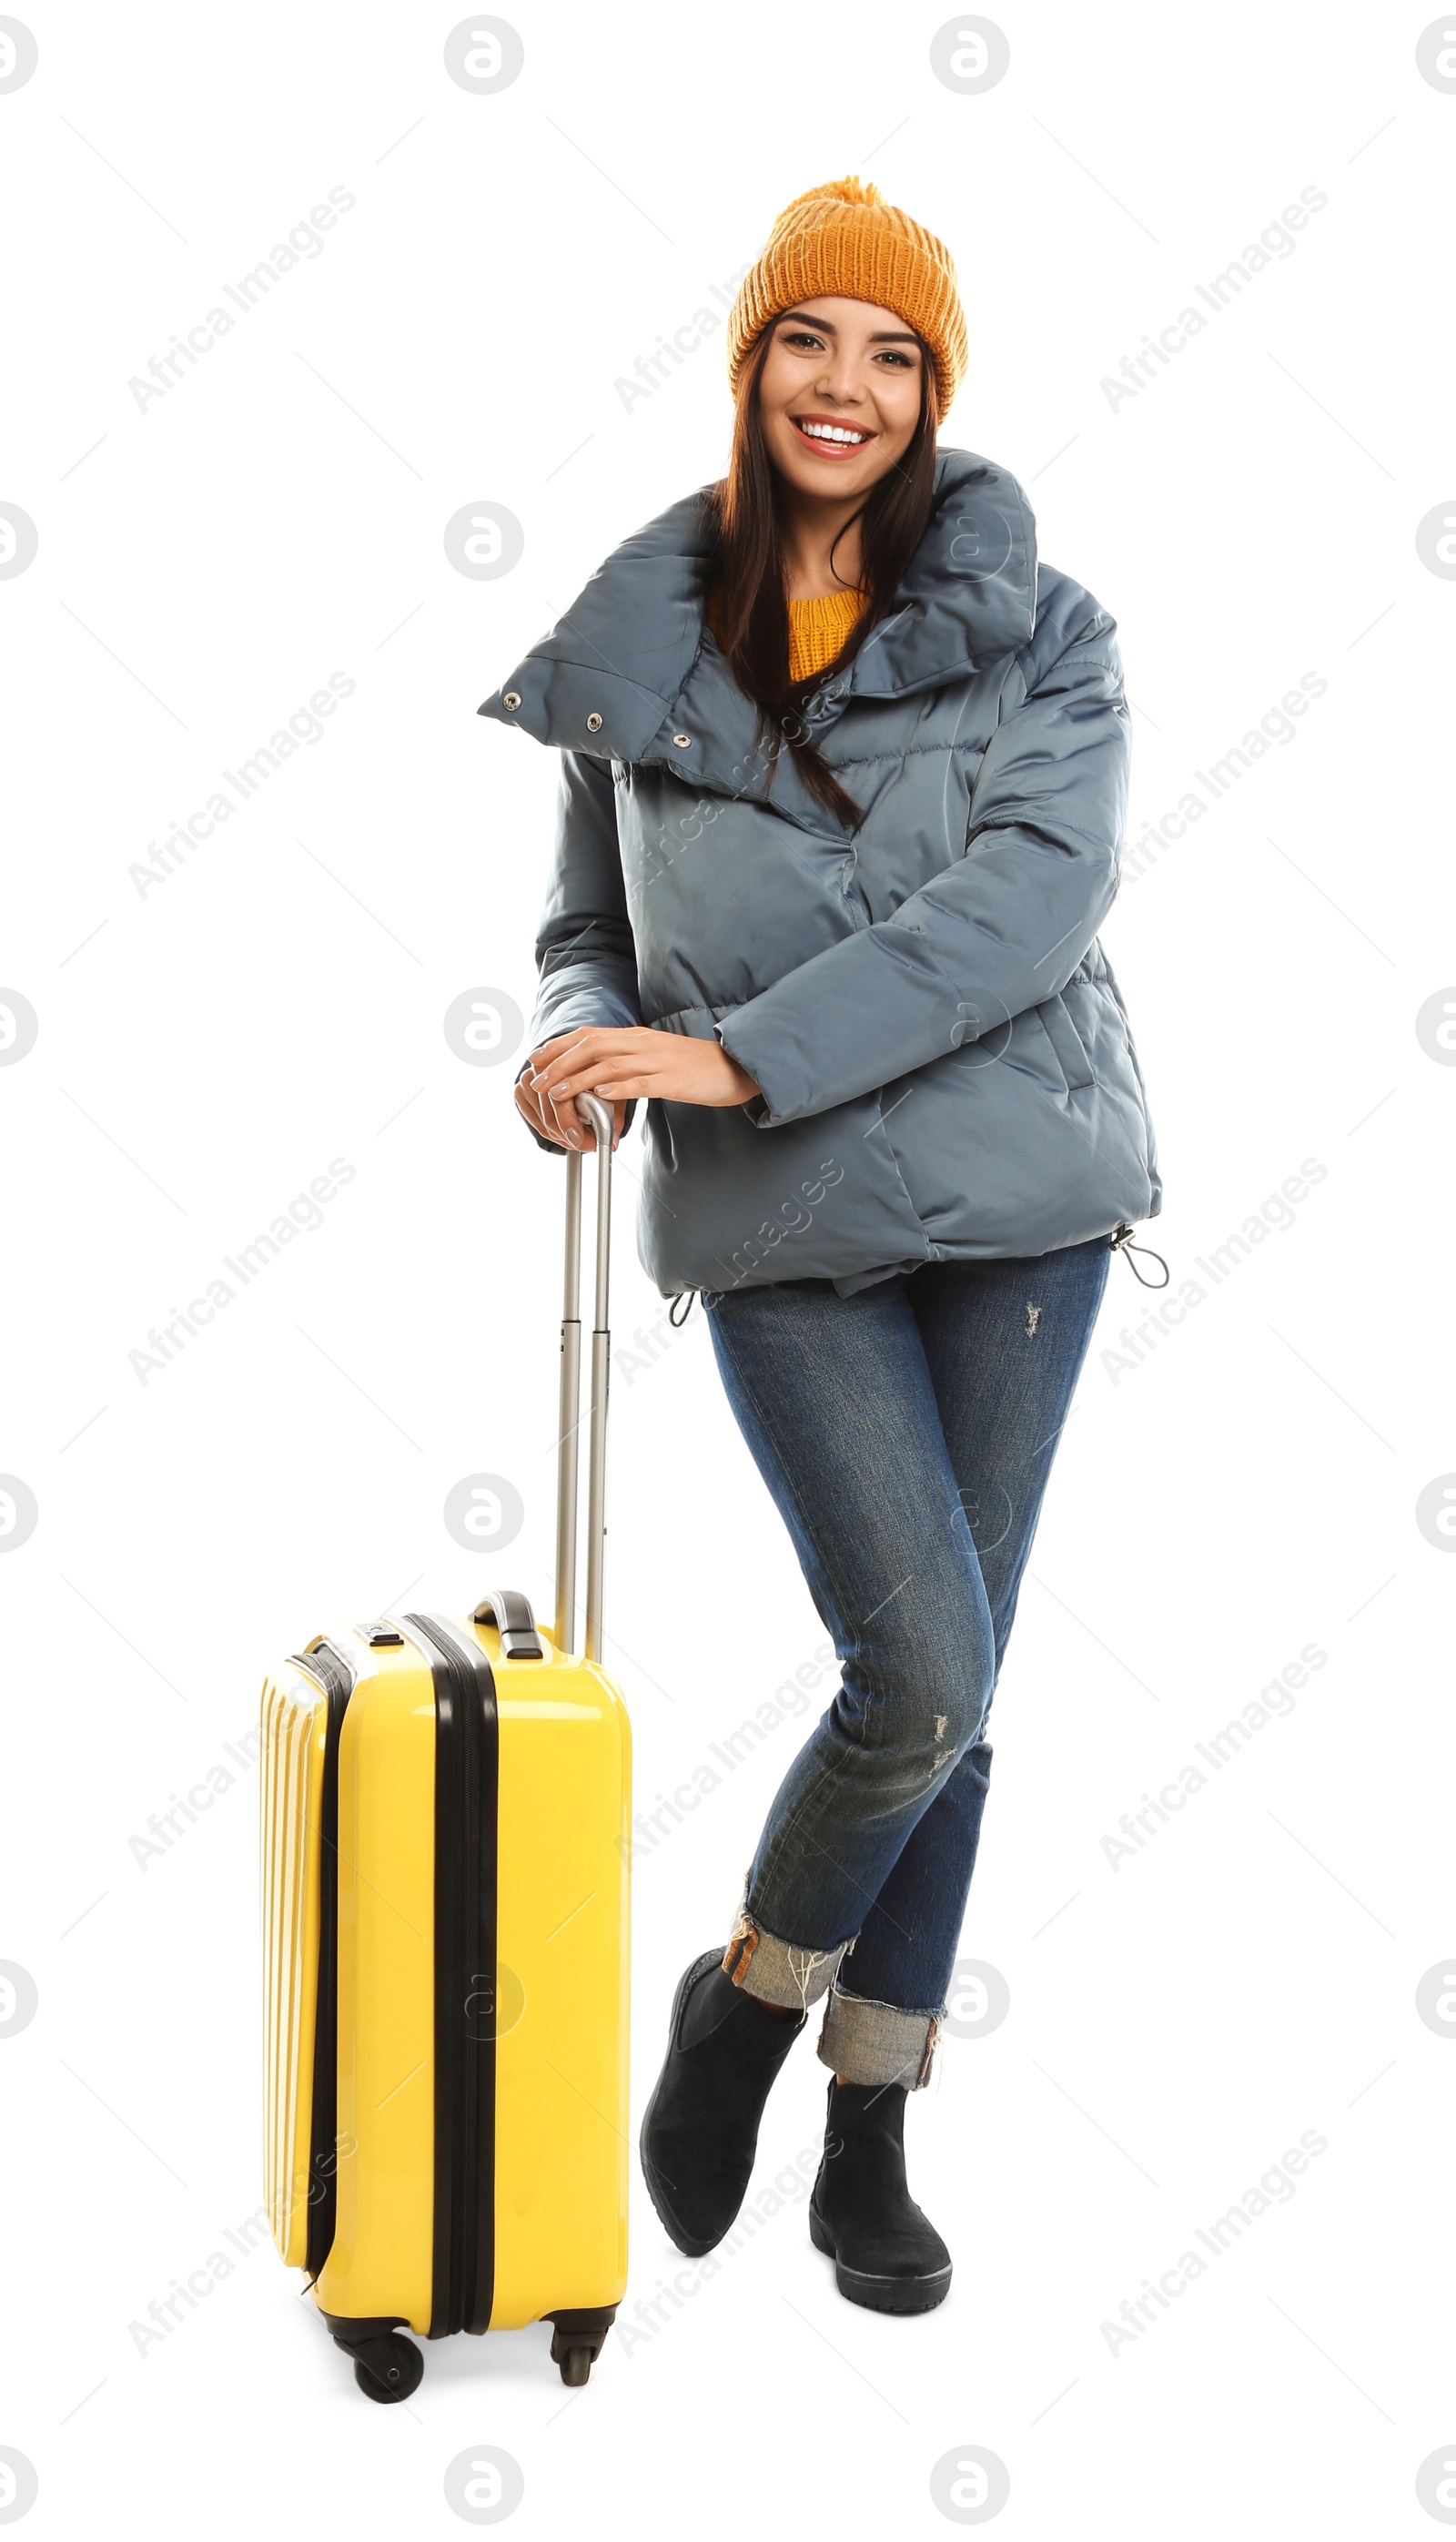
{"x":586,"y":958}
{"x":1003,"y":930}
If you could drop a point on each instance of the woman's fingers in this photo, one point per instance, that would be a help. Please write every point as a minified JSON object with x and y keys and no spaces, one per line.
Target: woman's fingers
{"x":621,"y":1065}
{"x":571,"y":1130}
{"x":549,"y":1050}
{"x":557,"y":1119}
{"x":567,"y":1129}
{"x":576,"y":1060}
{"x":552,"y":1109}
{"x":615,"y":1072}
{"x":529,"y":1113}
{"x":566,"y":1079}
{"x":560,"y":1115}
{"x":539,"y":1118}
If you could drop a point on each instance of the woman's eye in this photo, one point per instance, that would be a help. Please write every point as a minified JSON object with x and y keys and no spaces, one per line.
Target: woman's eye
{"x":808,"y":344}
{"x":902,"y":361}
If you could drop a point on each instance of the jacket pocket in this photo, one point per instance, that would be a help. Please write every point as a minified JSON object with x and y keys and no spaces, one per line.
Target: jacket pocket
{"x":1071,"y":1056}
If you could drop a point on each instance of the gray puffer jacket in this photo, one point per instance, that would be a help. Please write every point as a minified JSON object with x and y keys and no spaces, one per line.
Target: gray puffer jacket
{"x":946,"y":1066}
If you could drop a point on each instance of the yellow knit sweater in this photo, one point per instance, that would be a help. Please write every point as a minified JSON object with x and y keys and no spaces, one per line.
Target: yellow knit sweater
{"x":817,"y":627}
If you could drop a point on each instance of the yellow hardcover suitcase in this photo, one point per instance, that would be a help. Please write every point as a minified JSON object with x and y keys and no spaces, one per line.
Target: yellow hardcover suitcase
{"x":446,"y":1808}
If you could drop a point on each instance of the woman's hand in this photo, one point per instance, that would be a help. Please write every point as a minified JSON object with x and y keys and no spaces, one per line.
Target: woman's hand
{"x":564,"y":1128}
{"x":625,"y":1064}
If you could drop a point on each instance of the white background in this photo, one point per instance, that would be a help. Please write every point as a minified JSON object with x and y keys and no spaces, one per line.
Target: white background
{"x":207,"y":1049}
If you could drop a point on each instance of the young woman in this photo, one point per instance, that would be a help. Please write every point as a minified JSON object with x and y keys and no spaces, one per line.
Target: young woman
{"x":843,"y":781}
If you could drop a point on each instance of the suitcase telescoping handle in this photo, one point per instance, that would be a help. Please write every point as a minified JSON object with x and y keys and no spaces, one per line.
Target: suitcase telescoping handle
{"x":599,"y":1117}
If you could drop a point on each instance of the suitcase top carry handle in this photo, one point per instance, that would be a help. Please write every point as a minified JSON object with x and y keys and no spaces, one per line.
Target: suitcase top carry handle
{"x":600,"y":1118}
{"x":510,"y":1612}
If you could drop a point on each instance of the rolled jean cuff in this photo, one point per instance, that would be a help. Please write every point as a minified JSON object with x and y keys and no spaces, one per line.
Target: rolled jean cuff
{"x":775,"y":1971}
{"x":877,"y":2043}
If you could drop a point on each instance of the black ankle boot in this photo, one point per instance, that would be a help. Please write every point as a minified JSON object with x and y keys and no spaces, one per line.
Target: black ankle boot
{"x":887,"y":2255}
{"x":701,"y":2128}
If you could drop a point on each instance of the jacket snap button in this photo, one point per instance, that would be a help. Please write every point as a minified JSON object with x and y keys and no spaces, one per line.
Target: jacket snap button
{"x":682,"y":741}
{"x":511,"y":700}
{"x":594,"y":723}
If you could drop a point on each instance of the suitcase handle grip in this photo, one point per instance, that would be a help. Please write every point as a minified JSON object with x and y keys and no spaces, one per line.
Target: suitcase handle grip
{"x":600,"y":1118}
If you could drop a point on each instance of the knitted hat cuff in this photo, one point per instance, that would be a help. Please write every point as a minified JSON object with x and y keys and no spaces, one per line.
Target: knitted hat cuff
{"x":845,"y":239}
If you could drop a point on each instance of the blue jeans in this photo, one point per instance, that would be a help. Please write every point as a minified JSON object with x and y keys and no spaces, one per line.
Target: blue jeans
{"x":906,"y":1434}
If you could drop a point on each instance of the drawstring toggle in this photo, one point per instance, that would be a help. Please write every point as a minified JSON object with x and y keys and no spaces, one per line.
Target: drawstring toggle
{"x":1123,"y":1236}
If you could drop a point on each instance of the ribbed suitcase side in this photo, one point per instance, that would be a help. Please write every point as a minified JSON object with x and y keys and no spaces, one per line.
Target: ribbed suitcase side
{"x":294,"y":1716}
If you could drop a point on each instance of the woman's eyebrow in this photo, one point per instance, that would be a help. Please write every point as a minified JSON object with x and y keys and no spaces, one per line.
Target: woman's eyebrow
{"x":905,"y":336}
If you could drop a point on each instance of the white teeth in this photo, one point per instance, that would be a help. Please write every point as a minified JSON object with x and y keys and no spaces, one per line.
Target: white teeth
{"x":830,"y":432}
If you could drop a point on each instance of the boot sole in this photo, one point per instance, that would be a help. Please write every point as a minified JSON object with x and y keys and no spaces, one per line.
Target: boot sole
{"x":879,"y":2295}
{"x":691,"y":2246}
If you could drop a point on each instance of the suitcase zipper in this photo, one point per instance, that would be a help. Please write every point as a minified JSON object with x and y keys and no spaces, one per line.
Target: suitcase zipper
{"x":337,"y":1678}
{"x":466,"y":1786}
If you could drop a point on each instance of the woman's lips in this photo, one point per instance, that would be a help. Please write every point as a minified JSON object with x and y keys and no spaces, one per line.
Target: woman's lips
{"x":824,"y":448}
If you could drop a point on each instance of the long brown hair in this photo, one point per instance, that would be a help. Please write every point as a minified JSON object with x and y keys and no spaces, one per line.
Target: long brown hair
{"x":747,"y":565}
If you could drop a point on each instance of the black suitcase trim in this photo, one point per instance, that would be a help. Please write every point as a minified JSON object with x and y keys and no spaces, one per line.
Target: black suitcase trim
{"x":467,"y":1801}
{"x":337,"y":1678}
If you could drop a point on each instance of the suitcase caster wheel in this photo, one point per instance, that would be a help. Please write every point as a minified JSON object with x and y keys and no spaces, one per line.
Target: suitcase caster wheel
{"x":577,"y":2339}
{"x":392,"y":2369}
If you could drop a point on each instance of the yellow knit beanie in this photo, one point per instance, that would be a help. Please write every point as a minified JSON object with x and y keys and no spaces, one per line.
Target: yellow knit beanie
{"x":846,"y":238}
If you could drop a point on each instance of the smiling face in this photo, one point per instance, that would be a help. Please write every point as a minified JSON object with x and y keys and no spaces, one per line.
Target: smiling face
{"x":840,"y":395}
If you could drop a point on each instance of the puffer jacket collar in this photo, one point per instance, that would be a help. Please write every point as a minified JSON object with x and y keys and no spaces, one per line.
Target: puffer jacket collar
{"x":632,"y":673}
